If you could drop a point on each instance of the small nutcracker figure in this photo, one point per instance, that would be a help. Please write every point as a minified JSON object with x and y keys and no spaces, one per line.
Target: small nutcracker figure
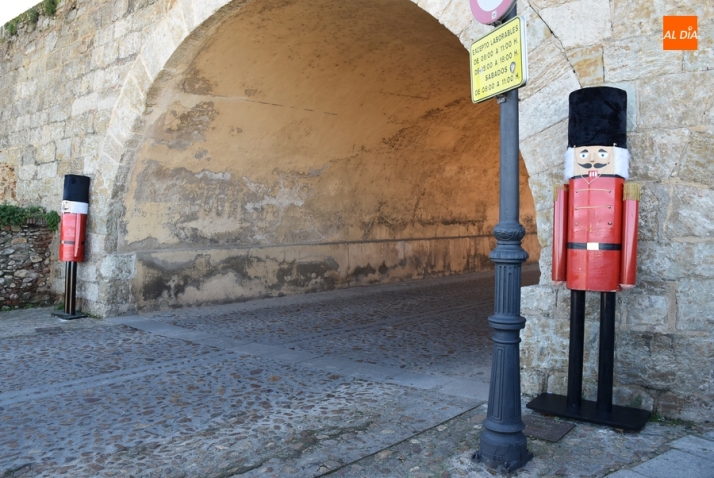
{"x":595,"y":245}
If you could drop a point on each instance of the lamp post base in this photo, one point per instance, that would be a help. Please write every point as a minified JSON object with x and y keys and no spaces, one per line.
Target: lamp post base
{"x":626,"y":418}
{"x":502,"y":453}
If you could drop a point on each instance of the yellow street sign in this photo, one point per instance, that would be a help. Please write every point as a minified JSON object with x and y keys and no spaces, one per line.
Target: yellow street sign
{"x":499,"y":61}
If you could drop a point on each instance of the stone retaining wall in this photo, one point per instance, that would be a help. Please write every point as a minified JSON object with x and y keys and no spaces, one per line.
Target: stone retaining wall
{"x":25,"y":265}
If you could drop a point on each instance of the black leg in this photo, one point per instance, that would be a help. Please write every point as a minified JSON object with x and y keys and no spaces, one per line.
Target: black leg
{"x":606,"y":359}
{"x":575,"y":357}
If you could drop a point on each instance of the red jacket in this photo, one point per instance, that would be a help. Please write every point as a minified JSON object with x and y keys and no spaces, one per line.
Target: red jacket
{"x":595,"y":234}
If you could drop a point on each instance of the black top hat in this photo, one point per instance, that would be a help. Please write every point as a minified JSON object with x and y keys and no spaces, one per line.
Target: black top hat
{"x":76,"y":188}
{"x":598,"y":116}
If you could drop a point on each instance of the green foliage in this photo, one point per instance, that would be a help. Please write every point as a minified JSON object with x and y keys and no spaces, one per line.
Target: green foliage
{"x":16,"y":216}
{"x":32,"y":15}
{"x":11,"y":26}
{"x":53,"y":219}
{"x":49,"y":7}
{"x":12,"y":215}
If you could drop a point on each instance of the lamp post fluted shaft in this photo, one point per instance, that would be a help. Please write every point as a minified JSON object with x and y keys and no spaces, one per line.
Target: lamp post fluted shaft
{"x":503,"y":444}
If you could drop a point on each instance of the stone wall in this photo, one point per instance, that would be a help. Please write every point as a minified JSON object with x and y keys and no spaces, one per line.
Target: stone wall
{"x":25,"y":262}
{"x":77,"y":93}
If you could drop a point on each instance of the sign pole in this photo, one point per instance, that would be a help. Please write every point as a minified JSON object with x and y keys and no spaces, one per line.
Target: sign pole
{"x":503,"y":444}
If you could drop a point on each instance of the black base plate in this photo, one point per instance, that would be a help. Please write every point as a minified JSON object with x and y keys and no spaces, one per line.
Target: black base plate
{"x":63,"y":316}
{"x":621,"y":417}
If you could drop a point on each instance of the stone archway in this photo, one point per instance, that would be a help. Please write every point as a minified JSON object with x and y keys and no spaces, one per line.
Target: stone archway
{"x":303,"y":146}
{"x":433,"y":122}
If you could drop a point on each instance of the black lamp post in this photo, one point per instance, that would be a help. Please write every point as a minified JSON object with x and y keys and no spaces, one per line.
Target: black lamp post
{"x":503,"y":444}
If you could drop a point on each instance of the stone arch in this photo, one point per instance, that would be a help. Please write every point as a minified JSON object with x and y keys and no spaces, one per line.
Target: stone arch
{"x":179,"y":33}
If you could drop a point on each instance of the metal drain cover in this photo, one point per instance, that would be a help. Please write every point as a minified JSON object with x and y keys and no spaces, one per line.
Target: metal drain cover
{"x":546,"y":428}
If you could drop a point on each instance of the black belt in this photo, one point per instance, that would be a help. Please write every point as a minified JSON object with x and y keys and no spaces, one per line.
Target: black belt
{"x":595,"y":246}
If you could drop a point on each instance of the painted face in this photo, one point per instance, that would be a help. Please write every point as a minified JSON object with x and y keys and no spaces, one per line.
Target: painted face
{"x":593,"y":161}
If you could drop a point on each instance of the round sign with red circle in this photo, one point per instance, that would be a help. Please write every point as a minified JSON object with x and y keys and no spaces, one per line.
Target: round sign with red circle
{"x":490,"y":11}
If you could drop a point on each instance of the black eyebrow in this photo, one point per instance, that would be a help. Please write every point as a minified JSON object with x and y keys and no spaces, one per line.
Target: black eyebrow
{"x":584,"y":151}
{"x":602,"y":151}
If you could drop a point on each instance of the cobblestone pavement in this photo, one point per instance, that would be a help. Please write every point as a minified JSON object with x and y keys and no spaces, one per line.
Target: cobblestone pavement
{"x":381,"y":381}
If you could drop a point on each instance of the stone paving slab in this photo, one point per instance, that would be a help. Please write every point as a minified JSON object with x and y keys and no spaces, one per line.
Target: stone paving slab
{"x":625,"y":474}
{"x":676,"y":463}
{"x":696,"y":446}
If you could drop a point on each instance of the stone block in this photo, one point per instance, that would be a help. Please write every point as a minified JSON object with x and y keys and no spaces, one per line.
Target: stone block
{"x":26,"y":173}
{"x":667,"y":362}
{"x":134,"y":95}
{"x":186,"y":10}
{"x":632,"y":396}
{"x":47,"y":171}
{"x":140,"y":76}
{"x":588,"y":65}
{"x":647,"y":307}
{"x":85,"y":104}
{"x":693,"y":407}
{"x":557,"y":383}
{"x":473,"y":31}
{"x":90,"y":145}
{"x":656,"y":154}
{"x":548,"y":106}
{"x":45,"y":153}
{"x":692,"y":213}
{"x":694,"y":305}
{"x":543,"y":153}
{"x":158,"y":49}
{"x":551,"y":354}
{"x":592,"y":18}
{"x":121,"y":122}
{"x":697,"y":165}
{"x":533,"y":382}
{"x":100,"y":120}
{"x":26,"y":88}
{"x":456,"y":16}
{"x":538,"y":300}
{"x":24,"y":273}
{"x":675,"y":260}
{"x":63,"y":149}
{"x":537,"y":31}
{"x":130,"y":45}
{"x":88,"y":291}
{"x":545,"y":65}
{"x":639,"y":57}
{"x":653,"y":210}
{"x":675,"y":101}
{"x":121,"y":28}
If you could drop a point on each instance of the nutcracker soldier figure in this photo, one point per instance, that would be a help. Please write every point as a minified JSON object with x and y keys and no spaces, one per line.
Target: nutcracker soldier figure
{"x":594,"y":246}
